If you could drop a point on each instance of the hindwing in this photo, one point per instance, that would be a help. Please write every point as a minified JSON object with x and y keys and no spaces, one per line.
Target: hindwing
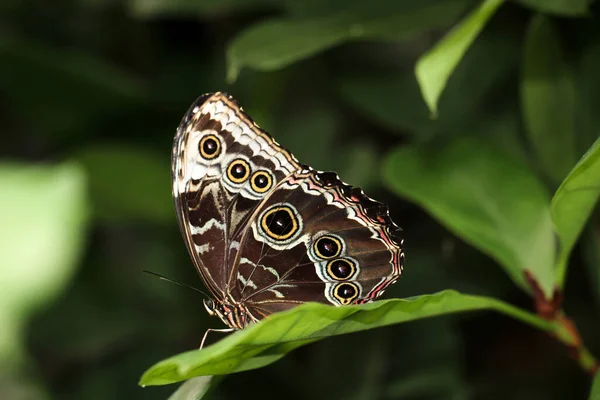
{"x":315,"y":238}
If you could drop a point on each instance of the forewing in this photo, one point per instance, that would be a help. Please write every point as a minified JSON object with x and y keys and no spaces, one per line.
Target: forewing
{"x":223,"y":165}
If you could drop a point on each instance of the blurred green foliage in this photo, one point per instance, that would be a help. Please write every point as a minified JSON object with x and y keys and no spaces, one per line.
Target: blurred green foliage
{"x":496,"y":194}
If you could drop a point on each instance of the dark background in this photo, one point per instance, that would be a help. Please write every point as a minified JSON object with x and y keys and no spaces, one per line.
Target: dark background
{"x":105,"y":83}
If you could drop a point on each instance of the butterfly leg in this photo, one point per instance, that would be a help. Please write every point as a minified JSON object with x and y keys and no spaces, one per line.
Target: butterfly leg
{"x":213,"y":330}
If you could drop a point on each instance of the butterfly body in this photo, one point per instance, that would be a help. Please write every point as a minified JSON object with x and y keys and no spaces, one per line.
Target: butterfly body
{"x":267,"y":233}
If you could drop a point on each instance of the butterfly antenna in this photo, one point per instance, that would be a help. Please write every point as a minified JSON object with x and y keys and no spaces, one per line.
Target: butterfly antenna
{"x":164,"y":278}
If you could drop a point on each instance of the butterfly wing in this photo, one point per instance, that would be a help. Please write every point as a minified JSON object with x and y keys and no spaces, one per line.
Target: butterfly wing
{"x":315,"y":238}
{"x":223,"y":165}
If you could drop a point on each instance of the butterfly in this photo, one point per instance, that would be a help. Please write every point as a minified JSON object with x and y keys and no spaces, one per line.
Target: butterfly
{"x":267,"y":233}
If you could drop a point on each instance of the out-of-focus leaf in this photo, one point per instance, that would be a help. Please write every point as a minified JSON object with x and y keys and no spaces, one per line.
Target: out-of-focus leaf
{"x":548,"y":99}
{"x":492,"y":201}
{"x":571,"y":8}
{"x":595,"y":391}
{"x":42,"y":233}
{"x":573,"y":203}
{"x":267,"y":341}
{"x":151,"y":8}
{"x":58,"y":91}
{"x":358,"y":164}
{"x":129,"y":183}
{"x":395,"y":100}
{"x":196,"y":388}
{"x":309,"y":132}
{"x":435,"y":67}
{"x":277,"y":43}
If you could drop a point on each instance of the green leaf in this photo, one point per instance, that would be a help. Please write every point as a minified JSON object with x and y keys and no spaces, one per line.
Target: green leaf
{"x":489,"y":199}
{"x":435,"y":67}
{"x":573,"y":203}
{"x":595,"y":391}
{"x":44,"y":215}
{"x":572,"y":8}
{"x":548,"y":99}
{"x":280,"y":42}
{"x":269,"y":340}
{"x":129,"y":183}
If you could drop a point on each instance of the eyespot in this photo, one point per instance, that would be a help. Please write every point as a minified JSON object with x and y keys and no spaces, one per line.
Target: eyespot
{"x":341,"y":269}
{"x":209,"y":147}
{"x":280,"y":222}
{"x":238,"y":171}
{"x":261,"y":181}
{"x":345,"y":292}
{"x":327,"y":247}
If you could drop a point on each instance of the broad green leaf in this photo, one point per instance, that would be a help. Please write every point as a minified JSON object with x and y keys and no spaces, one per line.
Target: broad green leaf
{"x":280,"y":42}
{"x":548,"y":99}
{"x":43,"y":214}
{"x":395,"y":100}
{"x":129,"y":183}
{"x":487,"y":198}
{"x":269,"y":340}
{"x":573,"y":203}
{"x":151,"y":8}
{"x":435,"y":67}
{"x":571,"y":8}
{"x":595,"y":391}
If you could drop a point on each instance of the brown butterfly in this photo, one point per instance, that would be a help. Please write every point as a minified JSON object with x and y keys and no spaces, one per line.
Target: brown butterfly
{"x":267,"y":233}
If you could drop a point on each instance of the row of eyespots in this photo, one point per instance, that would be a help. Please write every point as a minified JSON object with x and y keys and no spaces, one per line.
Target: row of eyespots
{"x":329,"y":248}
{"x":238,"y":170}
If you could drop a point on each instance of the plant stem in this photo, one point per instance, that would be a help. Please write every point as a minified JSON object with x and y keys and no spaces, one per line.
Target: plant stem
{"x":566,"y":332}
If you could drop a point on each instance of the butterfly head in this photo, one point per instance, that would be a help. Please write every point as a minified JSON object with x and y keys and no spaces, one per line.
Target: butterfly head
{"x":234,"y":316}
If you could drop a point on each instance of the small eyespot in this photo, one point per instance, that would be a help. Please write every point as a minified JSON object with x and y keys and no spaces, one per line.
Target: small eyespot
{"x":279,"y":223}
{"x":327,"y":247}
{"x":238,"y":171}
{"x":261,"y":181}
{"x":209,"y":147}
{"x":345,"y":293}
{"x":341,"y":269}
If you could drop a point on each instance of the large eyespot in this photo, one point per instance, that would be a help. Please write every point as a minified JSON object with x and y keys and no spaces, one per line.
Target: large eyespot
{"x":209,"y":147}
{"x":261,"y":181}
{"x":238,"y":170}
{"x":341,"y":269}
{"x":280,"y":222}
{"x":345,"y":292}
{"x":327,"y":247}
